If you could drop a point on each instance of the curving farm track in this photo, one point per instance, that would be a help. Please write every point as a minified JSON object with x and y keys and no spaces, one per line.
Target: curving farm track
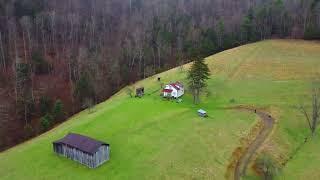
{"x":246,"y":157}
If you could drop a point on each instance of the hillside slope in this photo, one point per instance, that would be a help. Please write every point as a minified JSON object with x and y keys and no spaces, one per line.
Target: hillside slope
{"x":152,"y":138}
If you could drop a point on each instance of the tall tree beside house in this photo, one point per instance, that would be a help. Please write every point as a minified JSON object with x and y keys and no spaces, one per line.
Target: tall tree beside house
{"x":197,"y":78}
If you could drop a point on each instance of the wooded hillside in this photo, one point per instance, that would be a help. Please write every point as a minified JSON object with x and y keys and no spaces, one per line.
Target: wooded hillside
{"x":58,"y":57}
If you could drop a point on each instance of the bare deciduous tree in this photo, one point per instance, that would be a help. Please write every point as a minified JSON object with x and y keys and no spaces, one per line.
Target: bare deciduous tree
{"x":313,"y":117}
{"x":89,"y":104}
{"x":2,"y":57}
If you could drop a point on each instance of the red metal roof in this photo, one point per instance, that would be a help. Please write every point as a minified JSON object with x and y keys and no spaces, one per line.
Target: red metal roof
{"x":176,"y":86}
{"x":167,"y":90}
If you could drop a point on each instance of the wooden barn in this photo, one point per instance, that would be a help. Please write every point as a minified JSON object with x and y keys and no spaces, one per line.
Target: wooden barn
{"x":140,"y":92}
{"x":82,"y":149}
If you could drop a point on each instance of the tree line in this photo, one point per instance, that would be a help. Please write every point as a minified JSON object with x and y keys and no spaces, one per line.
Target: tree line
{"x":80,"y":52}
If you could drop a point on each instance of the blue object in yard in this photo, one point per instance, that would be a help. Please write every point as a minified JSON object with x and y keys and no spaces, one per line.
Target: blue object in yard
{"x":202,"y":113}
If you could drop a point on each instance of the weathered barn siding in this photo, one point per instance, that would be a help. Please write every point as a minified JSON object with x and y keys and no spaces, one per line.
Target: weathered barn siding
{"x":102,"y":155}
{"x":82,"y":149}
{"x":92,"y":161}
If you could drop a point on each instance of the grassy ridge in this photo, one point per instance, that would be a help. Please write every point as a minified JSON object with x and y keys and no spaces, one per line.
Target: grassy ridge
{"x":155,"y":139}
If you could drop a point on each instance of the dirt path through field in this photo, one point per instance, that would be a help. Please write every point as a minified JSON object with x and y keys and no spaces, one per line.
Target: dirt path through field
{"x":246,"y":156}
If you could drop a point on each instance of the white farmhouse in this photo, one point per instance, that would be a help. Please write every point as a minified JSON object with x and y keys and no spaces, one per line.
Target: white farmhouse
{"x":174,"y":90}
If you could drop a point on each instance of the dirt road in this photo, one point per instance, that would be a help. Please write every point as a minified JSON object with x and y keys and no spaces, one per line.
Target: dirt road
{"x":246,"y":157}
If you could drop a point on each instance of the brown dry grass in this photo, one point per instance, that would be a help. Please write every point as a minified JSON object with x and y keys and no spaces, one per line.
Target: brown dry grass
{"x":245,"y":141}
{"x":272,"y":60}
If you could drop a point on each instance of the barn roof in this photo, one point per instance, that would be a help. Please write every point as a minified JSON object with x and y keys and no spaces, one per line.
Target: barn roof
{"x":80,"y":142}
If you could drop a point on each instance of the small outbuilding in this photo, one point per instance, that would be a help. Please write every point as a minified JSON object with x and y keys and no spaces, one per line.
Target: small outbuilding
{"x":140,"y":92}
{"x":202,"y":113}
{"x":82,"y":149}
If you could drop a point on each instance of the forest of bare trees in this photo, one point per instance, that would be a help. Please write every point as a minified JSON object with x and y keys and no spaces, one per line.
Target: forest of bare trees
{"x":56,"y":54}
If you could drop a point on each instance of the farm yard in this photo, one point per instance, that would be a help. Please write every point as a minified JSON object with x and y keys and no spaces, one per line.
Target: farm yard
{"x":152,"y":138}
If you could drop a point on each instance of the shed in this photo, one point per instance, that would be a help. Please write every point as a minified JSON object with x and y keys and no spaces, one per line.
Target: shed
{"x":140,"y":92}
{"x":82,"y":149}
{"x":202,"y":113}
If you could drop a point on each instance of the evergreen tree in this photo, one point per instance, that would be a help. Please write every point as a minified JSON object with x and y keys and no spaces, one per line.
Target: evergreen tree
{"x":57,"y":110}
{"x":197,"y":77}
{"x":46,"y":121}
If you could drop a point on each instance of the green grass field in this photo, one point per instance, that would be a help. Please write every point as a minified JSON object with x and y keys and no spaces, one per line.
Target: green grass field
{"x":152,"y":138}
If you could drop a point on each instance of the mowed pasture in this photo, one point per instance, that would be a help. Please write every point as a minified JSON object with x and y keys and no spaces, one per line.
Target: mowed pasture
{"x":152,"y":138}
